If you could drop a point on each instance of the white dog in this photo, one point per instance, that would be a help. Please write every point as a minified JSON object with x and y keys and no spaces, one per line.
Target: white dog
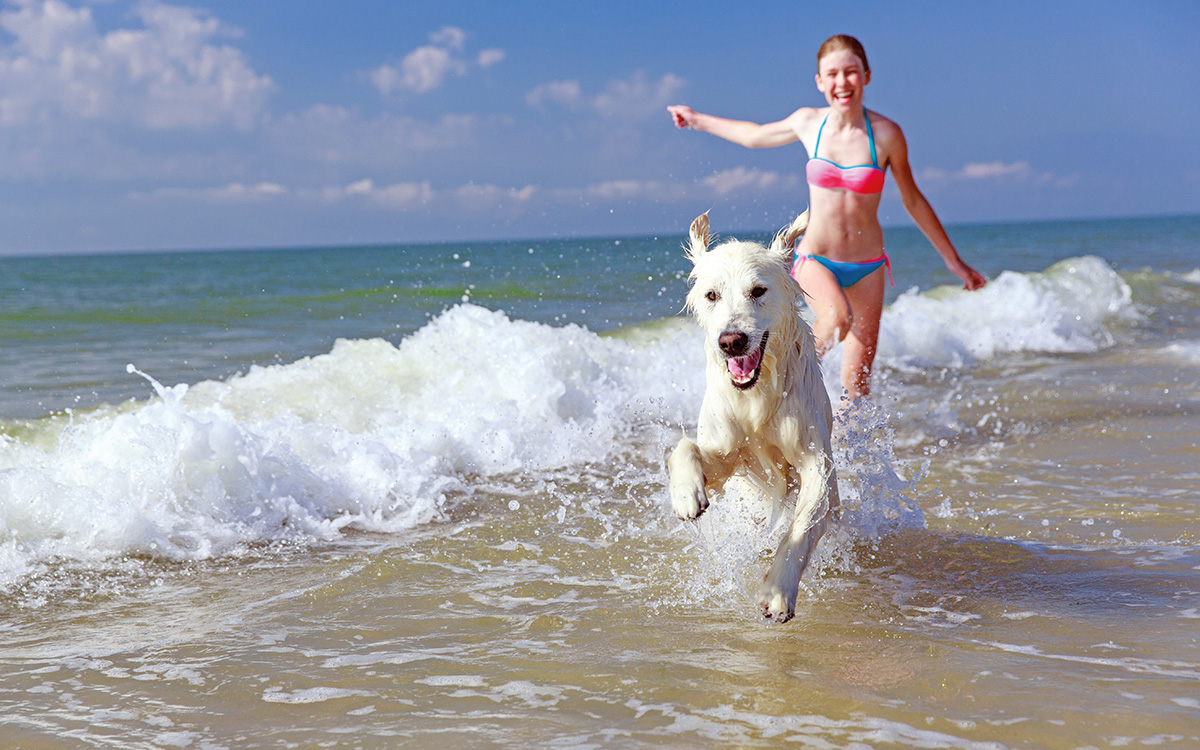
{"x":765,"y":413}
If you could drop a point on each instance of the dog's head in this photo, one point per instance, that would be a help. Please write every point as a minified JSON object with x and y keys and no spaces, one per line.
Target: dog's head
{"x":744,"y":297}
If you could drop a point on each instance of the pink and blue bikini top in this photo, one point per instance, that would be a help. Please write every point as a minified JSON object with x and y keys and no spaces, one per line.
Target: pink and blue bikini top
{"x":861,"y":178}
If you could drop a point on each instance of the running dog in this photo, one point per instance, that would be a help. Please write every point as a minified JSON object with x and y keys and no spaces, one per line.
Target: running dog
{"x":765,"y":414}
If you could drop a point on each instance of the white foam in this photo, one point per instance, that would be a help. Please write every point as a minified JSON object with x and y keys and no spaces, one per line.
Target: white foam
{"x":311,"y":695}
{"x":734,"y":727}
{"x":453,"y":681}
{"x":1187,"y":352}
{"x":1159,"y":667}
{"x":370,"y":436}
{"x":1071,"y":307}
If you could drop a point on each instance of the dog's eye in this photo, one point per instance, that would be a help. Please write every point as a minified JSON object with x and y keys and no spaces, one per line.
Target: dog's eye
{"x":712,"y":296}
{"x":758,"y":291}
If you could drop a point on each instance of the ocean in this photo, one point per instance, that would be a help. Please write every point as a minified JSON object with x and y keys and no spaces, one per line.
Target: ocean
{"x":415,"y":496}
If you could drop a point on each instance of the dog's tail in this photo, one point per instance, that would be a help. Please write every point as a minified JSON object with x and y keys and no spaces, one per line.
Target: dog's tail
{"x":786,"y":239}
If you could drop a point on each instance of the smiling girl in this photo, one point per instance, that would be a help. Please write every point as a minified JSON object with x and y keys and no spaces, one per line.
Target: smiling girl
{"x":840,"y":264}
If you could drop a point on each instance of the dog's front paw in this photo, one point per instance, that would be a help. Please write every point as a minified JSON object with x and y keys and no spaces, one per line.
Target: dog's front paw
{"x":776,"y":604}
{"x":687,"y":481}
{"x":688,"y":497}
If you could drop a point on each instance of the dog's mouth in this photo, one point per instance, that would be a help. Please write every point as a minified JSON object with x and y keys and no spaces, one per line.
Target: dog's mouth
{"x":743,"y":371}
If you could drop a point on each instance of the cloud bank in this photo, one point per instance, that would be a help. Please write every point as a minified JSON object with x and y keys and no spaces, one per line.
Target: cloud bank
{"x":171,"y":72}
{"x":1017,"y":172}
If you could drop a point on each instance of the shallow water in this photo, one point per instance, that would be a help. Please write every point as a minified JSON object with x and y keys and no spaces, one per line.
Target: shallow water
{"x":385,"y":543}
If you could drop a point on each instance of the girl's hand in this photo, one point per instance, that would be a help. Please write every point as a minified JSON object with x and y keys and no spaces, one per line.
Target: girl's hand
{"x":972,"y":279}
{"x":682,"y":115}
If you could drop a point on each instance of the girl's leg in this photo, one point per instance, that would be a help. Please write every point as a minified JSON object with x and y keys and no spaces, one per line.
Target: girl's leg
{"x":858,"y":351}
{"x":822,"y":292}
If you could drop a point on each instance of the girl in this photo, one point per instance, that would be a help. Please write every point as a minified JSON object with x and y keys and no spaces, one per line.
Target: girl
{"x":840,"y":263}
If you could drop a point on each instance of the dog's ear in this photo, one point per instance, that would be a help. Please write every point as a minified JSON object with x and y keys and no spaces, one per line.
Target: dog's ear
{"x":785,"y":242}
{"x":699,"y":238}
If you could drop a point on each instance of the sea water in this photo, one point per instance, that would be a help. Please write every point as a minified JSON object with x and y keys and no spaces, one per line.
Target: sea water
{"x":415,"y":495}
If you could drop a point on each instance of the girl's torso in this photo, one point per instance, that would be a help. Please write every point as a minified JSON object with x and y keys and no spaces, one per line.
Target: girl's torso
{"x":845,"y":174}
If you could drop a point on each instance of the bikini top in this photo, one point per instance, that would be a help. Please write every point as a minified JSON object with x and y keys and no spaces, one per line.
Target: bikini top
{"x":861,"y":178}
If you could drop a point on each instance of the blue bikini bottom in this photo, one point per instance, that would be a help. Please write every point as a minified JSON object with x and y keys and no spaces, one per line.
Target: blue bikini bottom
{"x":846,"y":273}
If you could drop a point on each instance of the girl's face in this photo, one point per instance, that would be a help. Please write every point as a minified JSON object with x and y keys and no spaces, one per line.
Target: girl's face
{"x":841,"y":78}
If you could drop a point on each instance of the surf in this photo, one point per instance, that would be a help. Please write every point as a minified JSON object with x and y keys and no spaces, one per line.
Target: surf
{"x":381,"y":438}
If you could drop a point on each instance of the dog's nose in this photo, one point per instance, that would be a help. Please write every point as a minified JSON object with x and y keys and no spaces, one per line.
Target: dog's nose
{"x":733,"y":343}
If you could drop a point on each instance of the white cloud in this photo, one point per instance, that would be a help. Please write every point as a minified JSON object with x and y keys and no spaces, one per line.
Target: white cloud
{"x":991,"y":169}
{"x":637,"y":97}
{"x":617,"y":189}
{"x":336,"y":135}
{"x":450,"y":37}
{"x":485,"y":198}
{"x":407,"y":196}
{"x":257,"y":190}
{"x":427,"y":67}
{"x":234,"y":191}
{"x":170,"y":73}
{"x":387,"y":78}
{"x":403,"y":194}
{"x":482,"y":199}
{"x":1017,"y":171}
{"x":567,"y":93}
{"x":632,"y":98}
{"x":740,"y":178}
{"x":490,"y":56}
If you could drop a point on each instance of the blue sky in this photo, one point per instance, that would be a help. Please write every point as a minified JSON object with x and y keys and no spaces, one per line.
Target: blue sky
{"x":129,"y":125}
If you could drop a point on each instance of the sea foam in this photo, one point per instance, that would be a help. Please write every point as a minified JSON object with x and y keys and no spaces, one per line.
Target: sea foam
{"x":1070,"y":307}
{"x":369,"y":436}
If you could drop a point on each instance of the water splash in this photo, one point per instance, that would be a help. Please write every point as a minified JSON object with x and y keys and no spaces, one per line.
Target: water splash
{"x":734,"y":541}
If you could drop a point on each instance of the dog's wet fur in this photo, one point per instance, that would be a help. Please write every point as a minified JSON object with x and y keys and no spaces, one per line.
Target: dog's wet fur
{"x":765,"y":413}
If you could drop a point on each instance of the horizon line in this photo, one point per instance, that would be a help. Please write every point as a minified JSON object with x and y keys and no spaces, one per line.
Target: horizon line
{"x":583,"y":237}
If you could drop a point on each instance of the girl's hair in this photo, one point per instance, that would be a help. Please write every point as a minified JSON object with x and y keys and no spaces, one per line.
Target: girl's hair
{"x":846,"y":42}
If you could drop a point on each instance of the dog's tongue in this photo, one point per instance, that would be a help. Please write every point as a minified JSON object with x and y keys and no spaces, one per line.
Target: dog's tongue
{"x":742,"y":368}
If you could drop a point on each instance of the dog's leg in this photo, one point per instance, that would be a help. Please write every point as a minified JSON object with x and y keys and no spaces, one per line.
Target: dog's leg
{"x":818,"y":496}
{"x":686,"y":470}
{"x":693,"y":468}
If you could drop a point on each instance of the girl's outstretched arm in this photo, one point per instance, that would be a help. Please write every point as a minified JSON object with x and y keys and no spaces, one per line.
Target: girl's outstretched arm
{"x":923,"y":214}
{"x":741,"y":132}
